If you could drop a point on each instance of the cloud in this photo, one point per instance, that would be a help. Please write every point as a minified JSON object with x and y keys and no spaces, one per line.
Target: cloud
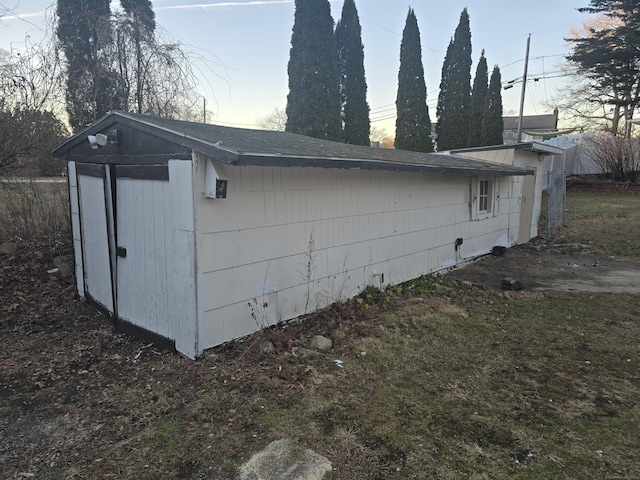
{"x":21,"y":16}
{"x":249,"y":3}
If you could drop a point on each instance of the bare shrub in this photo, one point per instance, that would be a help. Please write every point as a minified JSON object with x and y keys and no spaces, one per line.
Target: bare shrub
{"x":34,"y":209}
{"x":617,"y":157}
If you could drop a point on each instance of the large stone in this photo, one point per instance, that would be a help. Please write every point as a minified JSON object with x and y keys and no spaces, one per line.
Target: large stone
{"x":285,"y":460}
{"x":64,"y":264}
{"x":511,"y":284}
{"x":321,"y":343}
{"x":8,"y":248}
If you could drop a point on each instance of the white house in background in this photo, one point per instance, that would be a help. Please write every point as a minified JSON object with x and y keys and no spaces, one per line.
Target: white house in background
{"x":534,"y":128}
{"x":193,"y":235}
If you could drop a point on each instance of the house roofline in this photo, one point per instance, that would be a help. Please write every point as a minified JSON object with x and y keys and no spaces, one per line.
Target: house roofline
{"x":536,"y":147}
{"x":233,"y":156}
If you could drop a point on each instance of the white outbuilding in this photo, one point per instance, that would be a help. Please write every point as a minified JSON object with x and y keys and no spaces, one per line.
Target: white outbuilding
{"x":192,"y":235}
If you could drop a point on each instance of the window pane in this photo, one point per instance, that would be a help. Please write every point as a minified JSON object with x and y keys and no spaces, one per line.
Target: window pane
{"x":483,"y":198}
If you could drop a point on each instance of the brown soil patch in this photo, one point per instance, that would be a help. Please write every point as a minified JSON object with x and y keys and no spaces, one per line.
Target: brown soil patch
{"x":557,"y":267}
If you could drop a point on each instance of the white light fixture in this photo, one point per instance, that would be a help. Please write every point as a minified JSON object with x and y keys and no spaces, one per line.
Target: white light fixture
{"x":100,"y":139}
{"x":93,"y":141}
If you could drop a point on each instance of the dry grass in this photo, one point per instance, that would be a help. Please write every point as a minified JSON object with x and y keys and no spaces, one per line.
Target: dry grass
{"x":465,"y":383}
{"x":608,"y":223}
{"x":32,"y":209}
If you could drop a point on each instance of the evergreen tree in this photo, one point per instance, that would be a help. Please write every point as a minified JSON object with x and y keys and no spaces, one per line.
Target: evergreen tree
{"x":609,"y":59}
{"x":353,"y":86}
{"x":313,"y":103}
{"x":492,"y":123}
{"x":478,"y":100}
{"x":413,"y":126}
{"x":141,"y":13}
{"x":454,"y":99}
{"x":83,"y":31}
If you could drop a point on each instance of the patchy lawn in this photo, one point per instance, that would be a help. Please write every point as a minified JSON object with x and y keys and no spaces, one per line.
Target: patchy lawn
{"x":440,"y":379}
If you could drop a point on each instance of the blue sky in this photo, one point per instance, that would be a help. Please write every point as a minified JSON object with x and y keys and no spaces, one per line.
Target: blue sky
{"x":246,"y":47}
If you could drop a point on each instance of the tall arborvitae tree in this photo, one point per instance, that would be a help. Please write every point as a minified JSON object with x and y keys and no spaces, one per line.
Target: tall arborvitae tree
{"x":353,"y":86}
{"x":478,"y":100}
{"x":413,"y":126}
{"x":83,"y":31}
{"x":313,"y":103}
{"x":492,"y":123}
{"x":141,"y":13}
{"x":454,"y":99}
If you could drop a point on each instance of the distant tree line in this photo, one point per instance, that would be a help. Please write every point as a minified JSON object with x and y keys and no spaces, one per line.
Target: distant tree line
{"x":327,"y":86}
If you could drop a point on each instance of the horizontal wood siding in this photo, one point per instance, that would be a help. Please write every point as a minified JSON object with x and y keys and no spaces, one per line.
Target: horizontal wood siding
{"x":301,"y":239}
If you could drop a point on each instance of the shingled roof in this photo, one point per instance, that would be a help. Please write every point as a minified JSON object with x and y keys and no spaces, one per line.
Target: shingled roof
{"x":238,"y":146}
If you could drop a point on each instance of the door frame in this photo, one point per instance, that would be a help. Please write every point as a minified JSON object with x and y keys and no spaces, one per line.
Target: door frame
{"x":100,"y":171}
{"x":527,"y":201}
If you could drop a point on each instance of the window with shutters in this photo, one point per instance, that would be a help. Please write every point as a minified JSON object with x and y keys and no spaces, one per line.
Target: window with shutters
{"x":484,"y":198}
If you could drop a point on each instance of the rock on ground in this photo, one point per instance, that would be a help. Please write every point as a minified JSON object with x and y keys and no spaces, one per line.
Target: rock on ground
{"x":8,"y":248}
{"x":285,"y":460}
{"x":321,"y":343}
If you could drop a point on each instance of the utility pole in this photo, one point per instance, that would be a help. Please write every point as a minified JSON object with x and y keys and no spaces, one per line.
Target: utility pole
{"x":524,"y":87}
{"x":204,"y":109}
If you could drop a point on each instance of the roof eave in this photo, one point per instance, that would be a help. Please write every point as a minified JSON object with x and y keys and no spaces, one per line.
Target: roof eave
{"x":230,"y":156}
{"x":535,"y":147}
{"x":266,"y":160}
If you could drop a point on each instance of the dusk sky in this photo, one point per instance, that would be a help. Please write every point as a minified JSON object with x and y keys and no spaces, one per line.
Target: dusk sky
{"x":245,"y":46}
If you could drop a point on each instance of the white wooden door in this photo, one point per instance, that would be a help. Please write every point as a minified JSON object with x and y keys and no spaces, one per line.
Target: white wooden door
{"x":94,"y":195}
{"x":526,"y":208}
{"x":143,"y":250}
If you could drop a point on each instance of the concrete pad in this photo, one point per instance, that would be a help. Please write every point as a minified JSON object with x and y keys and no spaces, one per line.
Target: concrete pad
{"x":540,"y":270}
{"x":285,"y":460}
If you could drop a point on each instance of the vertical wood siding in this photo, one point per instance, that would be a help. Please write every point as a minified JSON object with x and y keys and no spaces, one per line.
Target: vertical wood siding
{"x":144,"y":229}
{"x":95,"y":244}
{"x":76,"y":234}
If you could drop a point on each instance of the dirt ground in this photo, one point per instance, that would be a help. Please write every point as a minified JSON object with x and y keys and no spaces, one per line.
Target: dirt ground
{"x":560,"y":267}
{"x":78,"y":400}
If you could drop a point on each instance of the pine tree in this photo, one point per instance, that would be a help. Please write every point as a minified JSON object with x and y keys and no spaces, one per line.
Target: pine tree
{"x":492,"y":123}
{"x":454,"y":99}
{"x":413,"y":126}
{"x":353,"y":86}
{"x":313,"y":103}
{"x":478,"y":100}
{"x":609,"y":59}
{"x":83,"y":31}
